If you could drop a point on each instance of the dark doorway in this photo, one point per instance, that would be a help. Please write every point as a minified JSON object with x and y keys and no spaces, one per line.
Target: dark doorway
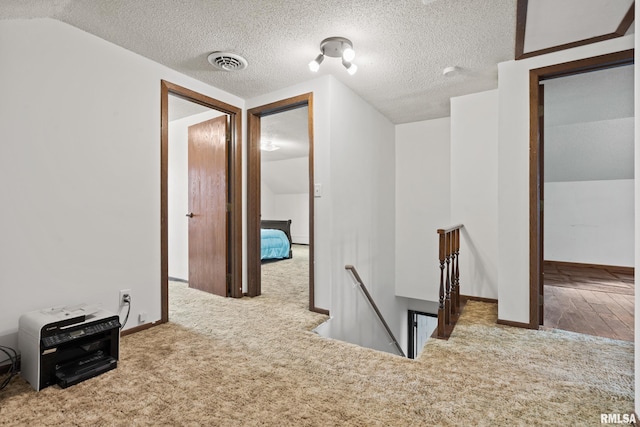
{"x":421,"y":327}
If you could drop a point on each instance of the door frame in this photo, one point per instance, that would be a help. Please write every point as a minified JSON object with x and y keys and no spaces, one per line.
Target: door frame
{"x":234,"y":188}
{"x":411,"y":327}
{"x":616,"y":59}
{"x":254,"y":115}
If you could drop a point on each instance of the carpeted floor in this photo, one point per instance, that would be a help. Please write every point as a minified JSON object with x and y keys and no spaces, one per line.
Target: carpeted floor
{"x":254,"y":362}
{"x":293,"y":273}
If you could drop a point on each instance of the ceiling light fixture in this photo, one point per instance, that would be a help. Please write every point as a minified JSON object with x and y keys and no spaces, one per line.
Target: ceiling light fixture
{"x":336,"y":47}
{"x":268,"y":146}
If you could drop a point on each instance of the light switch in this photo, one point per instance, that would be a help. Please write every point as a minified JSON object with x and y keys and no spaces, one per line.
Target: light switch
{"x":317,"y":190}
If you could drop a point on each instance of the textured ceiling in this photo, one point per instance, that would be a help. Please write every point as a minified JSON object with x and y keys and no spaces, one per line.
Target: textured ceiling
{"x":401,"y":46}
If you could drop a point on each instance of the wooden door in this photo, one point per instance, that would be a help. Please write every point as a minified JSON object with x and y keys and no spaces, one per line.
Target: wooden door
{"x":208,"y":206}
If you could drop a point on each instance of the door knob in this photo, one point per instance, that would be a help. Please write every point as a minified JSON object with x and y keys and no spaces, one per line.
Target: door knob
{"x":190,"y":215}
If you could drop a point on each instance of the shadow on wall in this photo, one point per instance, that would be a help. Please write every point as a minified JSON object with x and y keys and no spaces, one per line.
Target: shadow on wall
{"x":474,"y":270}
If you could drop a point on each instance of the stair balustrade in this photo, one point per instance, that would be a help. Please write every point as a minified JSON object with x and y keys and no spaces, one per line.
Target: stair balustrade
{"x":375,"y":308}
{"x":449,"y":308}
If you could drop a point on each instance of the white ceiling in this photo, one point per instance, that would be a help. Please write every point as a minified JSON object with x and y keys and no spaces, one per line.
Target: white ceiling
{"x":589,"y":97}
{"x":554,"y":23}
{"x":286,"y":171}
{"x":589,"y":126}
{"x":401,"y":46}
{"x":180,"y":108}
{"x":288,"y":130}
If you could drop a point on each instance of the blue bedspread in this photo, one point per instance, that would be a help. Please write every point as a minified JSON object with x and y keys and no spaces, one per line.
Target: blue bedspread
{"x":275,"y":244}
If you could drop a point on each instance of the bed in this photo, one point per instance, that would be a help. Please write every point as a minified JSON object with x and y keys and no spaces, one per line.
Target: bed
{"x":275,"y":239}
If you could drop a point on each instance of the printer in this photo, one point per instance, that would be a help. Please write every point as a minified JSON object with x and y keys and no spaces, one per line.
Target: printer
{"x":67,"y":345}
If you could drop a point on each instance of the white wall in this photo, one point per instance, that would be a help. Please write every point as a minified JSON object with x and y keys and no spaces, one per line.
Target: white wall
{"x":267,"y":201}
{"x":423,"y":199}
{"x":354,"y":219}
{"x":363,"y":215}
{"x":178,"y":192}
{"x":589,"y":222}
{"x":296,"y":208}
{"x":287,"y":194}
{"x":588,"y":168}
{"x":513,"y":172}
{"x":588,"y":151}
{"x":474,"y":190}
{"x":80,"y":167}
{"x":290,"y":176}
{"x":446,"y":174}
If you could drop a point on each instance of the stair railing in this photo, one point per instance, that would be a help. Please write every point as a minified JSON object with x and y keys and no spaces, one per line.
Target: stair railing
{"x":353,"y":271}
{"x":449,"y":292}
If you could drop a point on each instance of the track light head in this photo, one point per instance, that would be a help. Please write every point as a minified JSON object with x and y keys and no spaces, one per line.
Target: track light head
{"x":315,"y":64}
{"x":336,"y":47}
{"x":348,"y":54}
{"x":351,"y":68}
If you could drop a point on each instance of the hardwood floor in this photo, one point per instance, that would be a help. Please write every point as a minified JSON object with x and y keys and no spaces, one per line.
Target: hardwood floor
{"x":589,"y":299}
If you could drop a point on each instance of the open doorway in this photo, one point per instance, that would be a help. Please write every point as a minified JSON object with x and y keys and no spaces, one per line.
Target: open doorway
{"x":211,"y":119}
{"x":265,"y":122}
{"x":588,"y":198}
{"x":579,"y":188}
{"x":197,"y":193}
{"x":284,"y":205}
{"x":421,"y":327}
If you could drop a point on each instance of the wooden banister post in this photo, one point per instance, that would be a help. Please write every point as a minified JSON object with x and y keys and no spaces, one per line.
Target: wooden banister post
{"x":441,"y":324}
{"x":454,"y":310}
{"x":457,"y":272}
{"x":449,"y":292}
{"x":447,"y":298}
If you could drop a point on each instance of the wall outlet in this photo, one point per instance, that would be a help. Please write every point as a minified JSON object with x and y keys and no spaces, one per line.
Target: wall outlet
{"x":142,"y":317}
{"x":123,"y":292}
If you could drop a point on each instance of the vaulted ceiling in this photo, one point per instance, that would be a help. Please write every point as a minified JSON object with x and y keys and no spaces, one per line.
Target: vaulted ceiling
{"x":547,"y":25}
{"x":589,"y":126}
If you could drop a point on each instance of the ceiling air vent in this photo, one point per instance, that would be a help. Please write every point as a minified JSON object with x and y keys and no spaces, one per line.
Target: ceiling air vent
{"x":227,"y":61}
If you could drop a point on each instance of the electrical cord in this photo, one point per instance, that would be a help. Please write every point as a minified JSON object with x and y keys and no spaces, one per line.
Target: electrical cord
{"x":127,"y":300}
{"x":13,"y":370}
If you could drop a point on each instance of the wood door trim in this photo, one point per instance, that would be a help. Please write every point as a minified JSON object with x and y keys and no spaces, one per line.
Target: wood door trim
{"x":612,"y":268}
{"x":541,"y":148}
{"x":595,"y":63}
{"x":253,"y":191}
{"x":234,"y":184}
